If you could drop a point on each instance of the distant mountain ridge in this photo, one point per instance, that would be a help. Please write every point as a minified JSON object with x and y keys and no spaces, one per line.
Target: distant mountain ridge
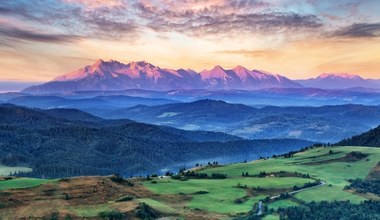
{"x":113,"y":75}
{"x":339,"y":81}
{"x":324,"y":124}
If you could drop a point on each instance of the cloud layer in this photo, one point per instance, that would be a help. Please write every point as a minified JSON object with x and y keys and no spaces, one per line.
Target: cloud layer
{"x":193,"y":33}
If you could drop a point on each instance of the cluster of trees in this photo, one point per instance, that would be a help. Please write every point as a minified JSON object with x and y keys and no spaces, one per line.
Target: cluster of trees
{"x":277,"y":174}
{"x":195,"y":175}
{"x":245,"y":174}
{"x":364,"y":186}
{"x":367,"y":210}
{"x":307,"y":185}
{"x":291,"y":153}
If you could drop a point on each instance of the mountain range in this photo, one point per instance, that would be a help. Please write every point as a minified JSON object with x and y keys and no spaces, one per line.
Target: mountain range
{"x":339,"y":81}
{"x":319,"y":124}
{"x":113,"y":75}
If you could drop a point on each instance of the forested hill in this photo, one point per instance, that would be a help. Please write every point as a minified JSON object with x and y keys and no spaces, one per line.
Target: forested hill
{"x":370,"y":138}
{"x":55,"y":143}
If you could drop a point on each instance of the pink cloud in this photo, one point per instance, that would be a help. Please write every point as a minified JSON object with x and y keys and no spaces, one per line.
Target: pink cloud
{"x":94,"y":4}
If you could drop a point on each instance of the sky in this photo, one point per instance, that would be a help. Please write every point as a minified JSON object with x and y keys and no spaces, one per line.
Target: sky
{"x":300,"y":39}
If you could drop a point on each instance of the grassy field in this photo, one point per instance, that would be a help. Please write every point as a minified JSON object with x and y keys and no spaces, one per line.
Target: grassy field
{"x":89,"y":210}
{"x":318,"y":163}
{"x":221,"y":194}
{"x":18,"y":183}
{"x":206,"y":198}
{"x":5,"y":170}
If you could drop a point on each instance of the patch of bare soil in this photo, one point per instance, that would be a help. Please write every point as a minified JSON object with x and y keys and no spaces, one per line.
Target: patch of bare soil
{"x":42,"y":201}
{"x":319,"y":156}
{"x":374,"y":174}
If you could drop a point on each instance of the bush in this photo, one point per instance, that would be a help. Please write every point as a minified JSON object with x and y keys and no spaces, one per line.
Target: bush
{"x":54,"y":216}
{"x":117,"y":178}
{"x":124,"y":199}
{"x":67,"y":217}
{"x":111,"y":215}
{"x":201,"y":192}
{"x":218,"y":176}
{"x":67,"y":197}
{"x":176,"y":177}
{"x":144,"y":211}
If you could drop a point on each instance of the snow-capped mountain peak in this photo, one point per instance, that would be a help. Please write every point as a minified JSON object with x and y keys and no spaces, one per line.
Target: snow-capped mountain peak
{"x":114,"y":75}
{"x":339,"y":75}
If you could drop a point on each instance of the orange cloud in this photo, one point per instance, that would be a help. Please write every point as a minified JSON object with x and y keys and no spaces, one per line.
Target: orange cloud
{"x":93,"y":4}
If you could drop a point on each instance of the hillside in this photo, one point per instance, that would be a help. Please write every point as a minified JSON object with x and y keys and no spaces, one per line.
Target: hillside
{"x":286,"y":184}
{"x":57,"y":143}
{"x":370,"y":138}
{"x":320,"y":124}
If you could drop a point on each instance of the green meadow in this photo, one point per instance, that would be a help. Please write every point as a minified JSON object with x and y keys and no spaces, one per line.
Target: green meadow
{"x":18,"y":183}
{"x":5,"y":170}
{"x":318,"y":163}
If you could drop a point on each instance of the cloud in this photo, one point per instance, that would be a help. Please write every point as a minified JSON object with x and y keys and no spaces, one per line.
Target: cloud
{"x":29,"y":35}
{"x":94,"y":4}
{"x":98,"y":20}
{"x":222,"y":18}
{"x":359,"y":30}
{"x":252,"y":53}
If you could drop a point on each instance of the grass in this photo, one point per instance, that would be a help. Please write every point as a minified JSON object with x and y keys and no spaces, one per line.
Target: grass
{"x":326,"y":193}
{"x":222,"y":193}
{"x":18,"y":183}
{"x":271,"y":217}
{"x":162,"y":207}
{"x":5,"y":170}
{"x":282,"y":203}
{"x":90,"y":210}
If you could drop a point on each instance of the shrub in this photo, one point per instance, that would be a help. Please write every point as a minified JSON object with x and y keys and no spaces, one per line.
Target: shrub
{"x":124,"y":199}
{"x":176,"y":177}
{"x":67,"y":217}
{"x":67,"y":197}
{"x":201,"y":192}
{"x":117,"y":178}
{"x":111,"y":215}
{"x":144,"y":211}
{"x":54,"y":216}
{"x":218,"y":176}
